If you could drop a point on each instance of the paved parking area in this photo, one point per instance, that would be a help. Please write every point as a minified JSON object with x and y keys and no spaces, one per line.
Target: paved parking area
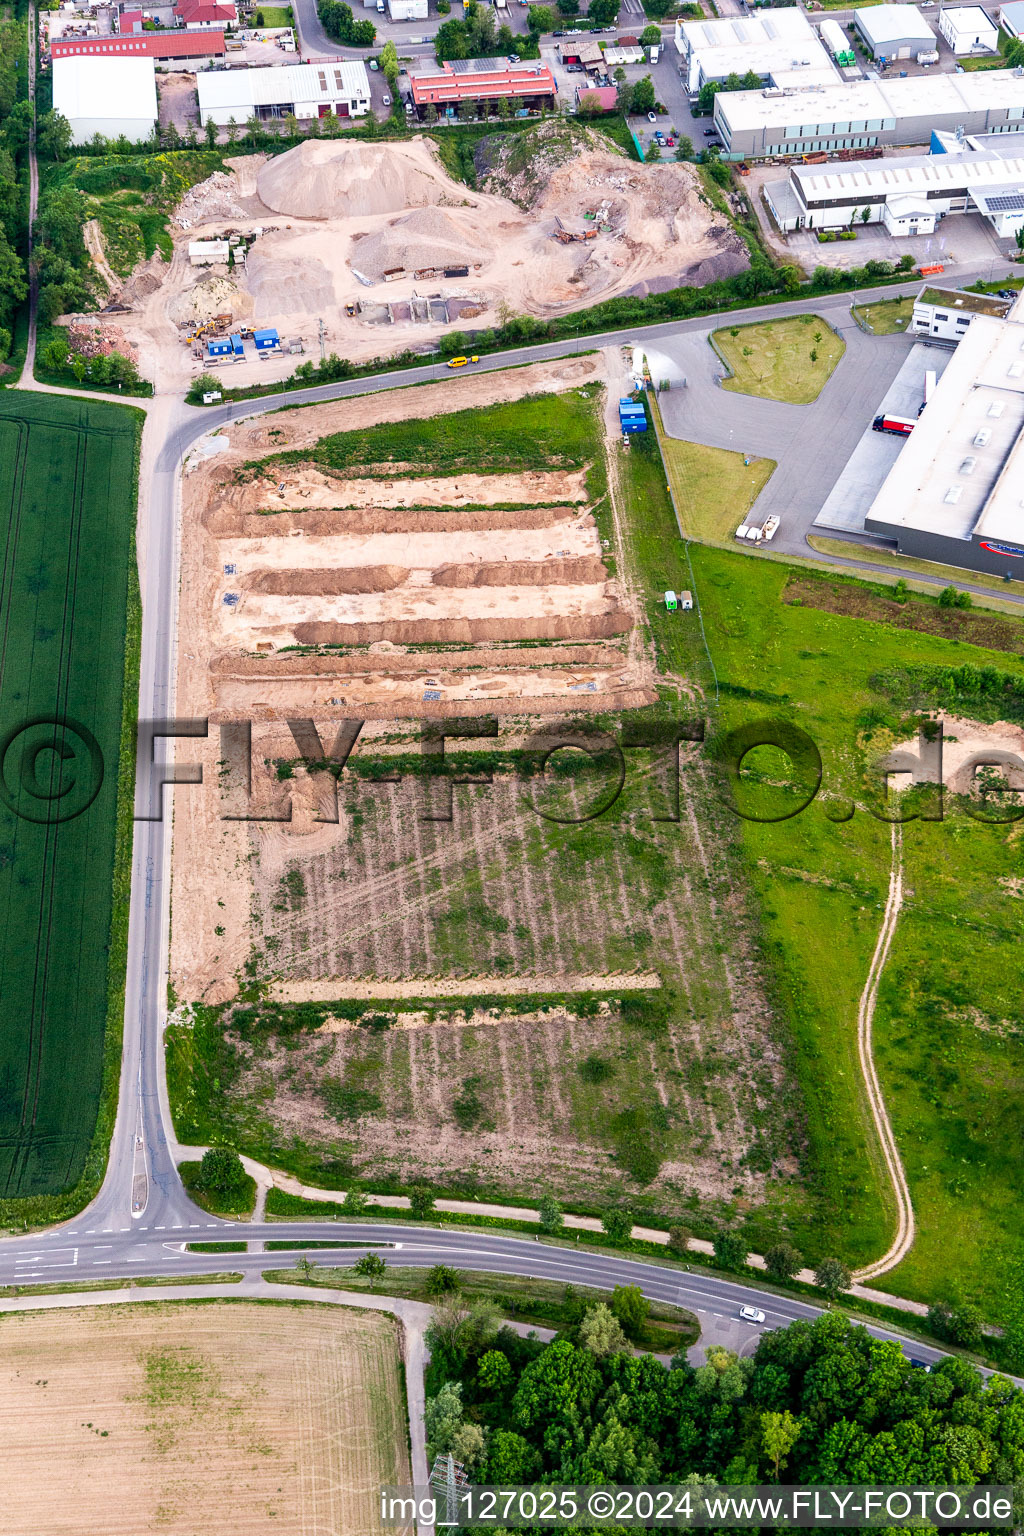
{"x":847,"y":504}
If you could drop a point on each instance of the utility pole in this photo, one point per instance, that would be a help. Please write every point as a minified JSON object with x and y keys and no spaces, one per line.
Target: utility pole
{"x":323,"y":333}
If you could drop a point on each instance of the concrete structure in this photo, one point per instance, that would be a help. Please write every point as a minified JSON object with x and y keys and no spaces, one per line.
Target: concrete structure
{"x":194,"y":46}
{"x":1011,"y":18}
{"x":954,"y":493}
{"x":907,"y":194}
{"x":110,"y":96}
{"x":894,"y":31}
{"x":755,"y":124}
{"x":407,"y":10}
{"x":206,"y":253}
{"x":773,"y":43}
{"x":444,"y":86}
{"x":614,"y":57}
{"x":341,"y":86}
{"x":943,"y":314}
{"x":969,"y":29}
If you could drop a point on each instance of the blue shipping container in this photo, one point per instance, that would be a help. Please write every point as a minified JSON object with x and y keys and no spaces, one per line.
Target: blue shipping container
{"x":237,"y":348}
{"x":266,"y":341}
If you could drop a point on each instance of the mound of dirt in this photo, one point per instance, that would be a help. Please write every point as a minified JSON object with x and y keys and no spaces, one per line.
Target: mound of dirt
{"x":225,"y":522}
{"x":289,"y":285}
{"x":214,"y":198}
{"x":328,"y":179}
{"x":214,"y":295}
{"x":426,"y":237}
{"x":592,"y":626}
{"x":520,"y":165}
{"x":585,"y":570}
{"x":329,"y":583}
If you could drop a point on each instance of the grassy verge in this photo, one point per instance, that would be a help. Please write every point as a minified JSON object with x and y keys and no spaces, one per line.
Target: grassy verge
{"x":544,"y":1303}
{"x":788,"y":359}
{"x":288,"y":1246}
{"x":68,"y":1287}
{"x":240,"y":1205}
{"x":713,"y":488}
{"x":850,"y":550}
{"x":887,"y":317}
{"x":216,"y":1247}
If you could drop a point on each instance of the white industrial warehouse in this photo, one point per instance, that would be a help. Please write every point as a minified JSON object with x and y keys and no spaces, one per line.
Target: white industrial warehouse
{"x":955,"y":491}
{"x":779,"y":45}
{"x":341,"y":86}
{"x":969,"y":29}
{"x":106,"y":95}
{"x":895,"y":32}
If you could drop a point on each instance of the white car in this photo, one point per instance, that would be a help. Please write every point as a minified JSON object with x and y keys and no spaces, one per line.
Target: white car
{"x":386,"y":100}
{"x":752,"y":1314}
{"x":651,"y":118}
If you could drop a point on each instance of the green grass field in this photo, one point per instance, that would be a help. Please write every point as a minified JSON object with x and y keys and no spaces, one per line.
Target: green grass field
{"x":781,"y":359}
{"x":713,"y":488}
{"x":886,"y":318}
{"x":67,"y":476}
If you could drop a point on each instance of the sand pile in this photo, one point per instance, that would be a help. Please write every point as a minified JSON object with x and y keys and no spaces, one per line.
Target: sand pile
{"x":586,"y":570}
{"x":214,"y":198}
{"x":213,"y":296}
{"x":325,"y":179}
{"x":288,"y":285}
{"x":331,"y":583}
{"x":427,"y":237}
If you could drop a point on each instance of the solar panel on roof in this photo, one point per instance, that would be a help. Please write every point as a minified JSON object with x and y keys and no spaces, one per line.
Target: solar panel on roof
{"x":1010,"y":202}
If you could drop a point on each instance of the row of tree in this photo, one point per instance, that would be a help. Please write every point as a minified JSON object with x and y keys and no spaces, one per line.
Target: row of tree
{"x":338,"y":22}
{"x":15,"y":117}
{"x":821,"y":1401}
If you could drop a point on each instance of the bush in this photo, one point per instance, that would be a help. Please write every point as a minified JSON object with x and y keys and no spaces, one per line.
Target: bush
{"x":833,"y":1277}
{"x":618,"y":1223}
{"x":679,"y":1240}
{"x":782,"y":1261}
{"x":442,"y":1280}
{"x":421,"y":1200}
{"x":952,"y":597}
{"x":203,"y":385}
{"x":730,"y":1250}
{"x":221,"y":1172}
{"x":550,"y":1213}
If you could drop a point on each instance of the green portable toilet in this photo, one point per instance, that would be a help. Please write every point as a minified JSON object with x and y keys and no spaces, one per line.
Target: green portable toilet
{"x":670,"y":602}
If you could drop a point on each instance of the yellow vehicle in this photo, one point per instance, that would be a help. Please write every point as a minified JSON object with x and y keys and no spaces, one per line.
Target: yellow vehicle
{"x":460,"y":362}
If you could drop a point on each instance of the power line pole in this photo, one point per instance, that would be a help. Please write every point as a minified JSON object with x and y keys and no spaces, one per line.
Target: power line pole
{"x":323,"y":333}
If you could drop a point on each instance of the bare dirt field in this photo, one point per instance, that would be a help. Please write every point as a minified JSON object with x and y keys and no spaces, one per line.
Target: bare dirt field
{"x":223,"y":1417}
{"x":383,"y":246}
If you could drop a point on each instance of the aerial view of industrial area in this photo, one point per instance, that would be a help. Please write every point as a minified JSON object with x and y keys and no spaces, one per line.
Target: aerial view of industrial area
{"x":511,"y":766}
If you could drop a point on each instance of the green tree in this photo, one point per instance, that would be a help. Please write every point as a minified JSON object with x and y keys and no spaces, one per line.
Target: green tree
{"x":355,"y":1202}
{"x":833,"y":1277}
{"x":540,"y":18}
{"x":442,"y":1280}
{"x":421,"y":1200}
{"x":389,"y":60}
{"x":684,"y":149}
{"x":53,"y":136}
{"x":600,"y":1331}
{"x":371,"y":1267}
{"x":643,"y":95}
{"x":782,"y":1261}
{"x":221,"y":1172}
{"x":730,"y":1250}
{"x":679,"y":1241}
{"x":865,"y":215}
{"x":630,"y":1307}
{"x":443,"y":1418}
{"x":602,"y":13}
{"x":618,"y":1223}
{"x":493,"y":1373}
{"x":205,"y":384}
{"x":650,"y":37}
{"x":211,"y":132}
{"x":550,"y":1213}
{"x":653,"y":152}
{"x":779,"y":1434}
{"x":511,"y":1459}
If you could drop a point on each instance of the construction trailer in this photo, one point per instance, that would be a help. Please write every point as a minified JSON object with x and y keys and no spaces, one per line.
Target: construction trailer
{"x":266,"y":341}
{"x":632,"y":417}
{"x":218,"y":347}
{"x":237,"y":346}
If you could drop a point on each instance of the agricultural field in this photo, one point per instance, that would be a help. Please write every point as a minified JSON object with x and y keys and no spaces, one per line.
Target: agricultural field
{"x":218,"y":1416}
{"x":67,"y":478}
{"x":789,"y":359}
{"x":644,"y":1060}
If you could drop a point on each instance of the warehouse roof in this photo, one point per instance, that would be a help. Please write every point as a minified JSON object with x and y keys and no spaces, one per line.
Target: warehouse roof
{"x":954,"y":459}
{"x":790,"y":25}
{"x":967,"y":18}
{"x":1012,"y":16}
{"x":278,"y":84}
{"x":909,"y":174}
{"x":102,"y":87}
{"x":440,"y":85}
{"x":882,"y":24}
{"x":993,"y":90}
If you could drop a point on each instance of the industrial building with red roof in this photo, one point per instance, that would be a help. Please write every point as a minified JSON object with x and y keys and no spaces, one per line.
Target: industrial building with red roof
{"x":146,"y":45}
{"x":445,"y":86}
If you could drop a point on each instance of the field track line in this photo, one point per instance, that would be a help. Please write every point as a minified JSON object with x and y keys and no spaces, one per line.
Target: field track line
{"x":905,"y":1228}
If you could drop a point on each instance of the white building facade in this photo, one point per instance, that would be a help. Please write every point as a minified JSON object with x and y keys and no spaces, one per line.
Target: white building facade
{"x":969,"y":29}
{"x":106,"y":95}
{"x":341,"y":86}
{"x":943,"y":314}
{"x":768,"y":44}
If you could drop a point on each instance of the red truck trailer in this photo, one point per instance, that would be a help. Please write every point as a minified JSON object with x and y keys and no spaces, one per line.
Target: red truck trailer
{"x":900,"y":425}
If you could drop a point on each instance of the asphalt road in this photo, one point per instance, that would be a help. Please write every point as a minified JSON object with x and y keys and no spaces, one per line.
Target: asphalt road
{"x":142,"y":1216}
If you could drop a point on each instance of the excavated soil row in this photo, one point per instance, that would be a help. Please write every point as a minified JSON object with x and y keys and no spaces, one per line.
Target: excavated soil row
{"x":328,"y":583}
{"x":438,"y":631}
{"x":620,"y":697}
{"x":390,"y":662}
{"x":227,"y":523}
{"x":585,"y":570}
